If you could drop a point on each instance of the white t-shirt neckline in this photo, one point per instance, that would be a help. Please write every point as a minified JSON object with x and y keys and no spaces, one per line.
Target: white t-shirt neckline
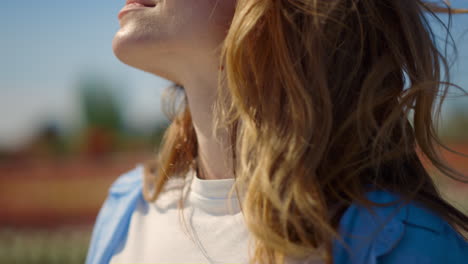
{"x":212,"y":196}
{"x":211,"y":189}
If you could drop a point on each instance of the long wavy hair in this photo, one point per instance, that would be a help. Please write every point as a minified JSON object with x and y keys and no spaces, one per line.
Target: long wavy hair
{"x":323,"y":101}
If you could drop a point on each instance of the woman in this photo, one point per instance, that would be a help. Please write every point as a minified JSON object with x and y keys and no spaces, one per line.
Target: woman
{"x":291,"y":141}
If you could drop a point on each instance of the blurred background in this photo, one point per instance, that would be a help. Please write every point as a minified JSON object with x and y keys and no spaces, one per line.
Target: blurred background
{"x":73,"y":118}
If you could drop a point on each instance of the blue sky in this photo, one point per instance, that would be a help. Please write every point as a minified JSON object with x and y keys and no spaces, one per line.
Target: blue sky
{"x":45,"y":46}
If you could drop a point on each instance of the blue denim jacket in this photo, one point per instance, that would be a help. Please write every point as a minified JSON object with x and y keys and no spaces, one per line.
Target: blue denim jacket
{"x":391,"y":234}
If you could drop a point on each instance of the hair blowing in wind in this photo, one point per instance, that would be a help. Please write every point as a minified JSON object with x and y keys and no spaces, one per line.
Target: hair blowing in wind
{"x":324,"y":100}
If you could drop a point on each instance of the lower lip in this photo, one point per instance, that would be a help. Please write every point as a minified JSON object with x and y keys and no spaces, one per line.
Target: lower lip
{"x":131,"y":7}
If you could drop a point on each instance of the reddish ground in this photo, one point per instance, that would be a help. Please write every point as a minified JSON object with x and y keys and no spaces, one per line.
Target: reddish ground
{"x":456,"y":191}
{"x":48,"y":193}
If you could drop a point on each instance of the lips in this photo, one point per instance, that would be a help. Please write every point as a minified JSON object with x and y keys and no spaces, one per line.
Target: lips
{"x":134,"y":5}
{"x":147,"y":3}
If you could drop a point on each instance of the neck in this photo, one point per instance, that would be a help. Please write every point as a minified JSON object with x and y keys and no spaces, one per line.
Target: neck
{"x":213,"y":152}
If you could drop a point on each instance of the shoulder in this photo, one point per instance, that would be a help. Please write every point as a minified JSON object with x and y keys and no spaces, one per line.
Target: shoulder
{"x":122,"y":193}
{"x":128,"y":181}
{"x":396,"y":233}
{"x":113,"y":218}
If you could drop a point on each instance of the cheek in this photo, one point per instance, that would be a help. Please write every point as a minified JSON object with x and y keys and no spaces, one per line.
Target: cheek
{"x":199,"y":23}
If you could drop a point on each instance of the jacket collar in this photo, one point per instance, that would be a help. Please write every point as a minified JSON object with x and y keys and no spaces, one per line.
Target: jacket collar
{"x":409,"y":213}
{"x":112,"y":223}
{"x":128,"y":182}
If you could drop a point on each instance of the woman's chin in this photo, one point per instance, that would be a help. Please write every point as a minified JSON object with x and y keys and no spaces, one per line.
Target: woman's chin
{"x":130,"y":53}
{"x":127,"y":48}
{"x":121,"y":51}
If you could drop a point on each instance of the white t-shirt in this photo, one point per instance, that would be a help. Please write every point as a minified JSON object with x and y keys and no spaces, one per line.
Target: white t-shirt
{"x":156,"y":234}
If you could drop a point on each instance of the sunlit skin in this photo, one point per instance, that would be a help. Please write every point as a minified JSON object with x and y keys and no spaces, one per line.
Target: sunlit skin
{"x":180,"y":40}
